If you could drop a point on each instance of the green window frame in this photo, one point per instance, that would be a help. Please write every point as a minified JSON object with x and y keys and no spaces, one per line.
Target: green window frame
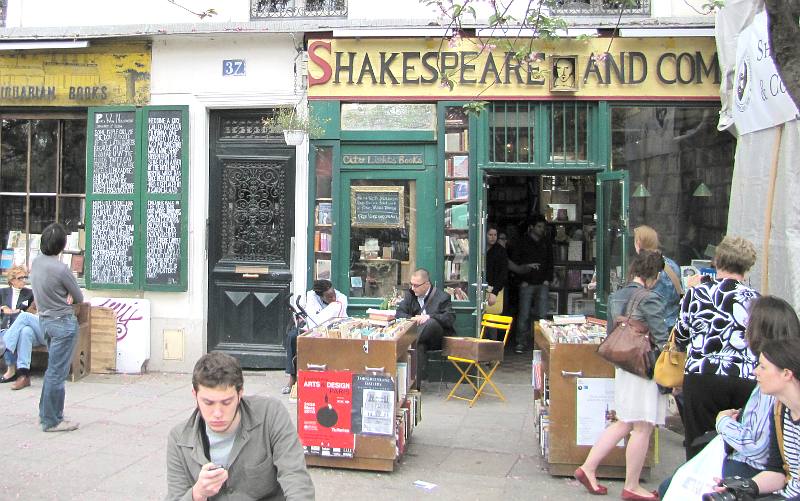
{"x":168,"y":206}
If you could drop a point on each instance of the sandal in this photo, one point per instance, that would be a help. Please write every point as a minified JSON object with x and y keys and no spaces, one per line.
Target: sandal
{"x":11,"y":379}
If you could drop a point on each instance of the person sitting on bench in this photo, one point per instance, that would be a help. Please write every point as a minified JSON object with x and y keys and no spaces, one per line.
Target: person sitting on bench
{"x":21,"y":330}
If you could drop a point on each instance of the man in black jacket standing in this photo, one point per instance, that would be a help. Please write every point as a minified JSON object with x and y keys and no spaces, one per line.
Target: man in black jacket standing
{"x":431,"y":310}
{"x":532,"y":261}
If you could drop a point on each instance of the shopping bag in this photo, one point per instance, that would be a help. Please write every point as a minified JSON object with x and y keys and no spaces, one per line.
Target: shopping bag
{"x":696,"y":477}
{"x":628,"y":345}
{"x":669,"y":367}
{"x":497,"y":307}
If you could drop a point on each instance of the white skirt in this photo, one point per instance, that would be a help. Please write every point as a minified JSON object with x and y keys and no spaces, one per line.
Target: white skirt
{"x":638,"y":399}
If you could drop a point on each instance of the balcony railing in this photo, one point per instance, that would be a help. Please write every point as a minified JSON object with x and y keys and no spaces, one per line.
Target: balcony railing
{"x":601,"y":8}
{"x":260,"y":9}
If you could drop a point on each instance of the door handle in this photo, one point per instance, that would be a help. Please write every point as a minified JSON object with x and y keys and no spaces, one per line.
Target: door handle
{"x":571,"y":374}
{"x":250,"y":275}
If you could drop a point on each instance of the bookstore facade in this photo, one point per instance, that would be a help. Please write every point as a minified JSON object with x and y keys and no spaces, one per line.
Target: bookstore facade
{"x":43,"y":103}
{"x":404,"y":178}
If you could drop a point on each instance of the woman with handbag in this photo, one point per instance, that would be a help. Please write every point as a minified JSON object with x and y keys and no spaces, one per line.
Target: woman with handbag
{"x":719,"y":372}
{"x":638,"y":403}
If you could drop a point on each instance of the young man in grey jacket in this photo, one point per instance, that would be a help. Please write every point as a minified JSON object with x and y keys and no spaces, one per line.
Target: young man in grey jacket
{"x":234,"y":447}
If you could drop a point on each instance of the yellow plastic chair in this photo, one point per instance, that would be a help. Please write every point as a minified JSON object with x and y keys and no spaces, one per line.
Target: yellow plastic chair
{"x":481,"y":377}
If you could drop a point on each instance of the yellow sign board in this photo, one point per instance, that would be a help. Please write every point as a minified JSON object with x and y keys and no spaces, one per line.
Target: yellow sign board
{"x":101,"y":74}
{"x":634,"y":68}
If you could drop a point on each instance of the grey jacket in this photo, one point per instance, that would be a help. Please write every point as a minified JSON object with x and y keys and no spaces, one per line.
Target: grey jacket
{"x":266,"y":462}
{"x":650,"y":311}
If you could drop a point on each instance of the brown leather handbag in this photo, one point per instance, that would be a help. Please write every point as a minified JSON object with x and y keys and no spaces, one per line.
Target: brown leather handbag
{"x":628,"y":346}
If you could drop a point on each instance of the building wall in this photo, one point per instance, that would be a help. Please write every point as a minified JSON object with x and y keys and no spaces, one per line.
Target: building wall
{"x":188,"y":71}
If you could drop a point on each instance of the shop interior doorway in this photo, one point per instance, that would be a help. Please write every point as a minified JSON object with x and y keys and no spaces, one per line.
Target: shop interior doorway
{"x":568,"y":204}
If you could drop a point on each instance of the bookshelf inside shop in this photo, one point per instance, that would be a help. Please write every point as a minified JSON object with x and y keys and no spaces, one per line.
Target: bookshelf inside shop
{"x":323,"y":238}
{"x":456,"y":202}
{"x":567,"y":203}
{"x":574,"y":398}
{"x":363,"y":411}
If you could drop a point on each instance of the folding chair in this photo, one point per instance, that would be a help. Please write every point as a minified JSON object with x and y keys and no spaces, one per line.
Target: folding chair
{"x":481,"y":377}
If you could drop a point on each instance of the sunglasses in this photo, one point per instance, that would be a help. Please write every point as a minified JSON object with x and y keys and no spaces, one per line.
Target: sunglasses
{"x":24,"y":277}
{"x":414,"y":286}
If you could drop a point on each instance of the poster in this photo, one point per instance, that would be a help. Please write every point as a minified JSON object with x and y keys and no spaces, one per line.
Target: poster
{"x":373,"y":405}
{"x":594,"y":409}
{"x":324,"y":406}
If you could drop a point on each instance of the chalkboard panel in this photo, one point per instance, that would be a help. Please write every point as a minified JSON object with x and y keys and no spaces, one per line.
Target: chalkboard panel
{"x":377,"y":206}
{"x":164,"y":150}
{"x":112,"y":239}
{"x":113,"y":145}
{"x":163,"y":257}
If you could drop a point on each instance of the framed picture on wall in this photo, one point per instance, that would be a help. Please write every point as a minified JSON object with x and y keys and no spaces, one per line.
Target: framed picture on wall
{"x":552,"y":303}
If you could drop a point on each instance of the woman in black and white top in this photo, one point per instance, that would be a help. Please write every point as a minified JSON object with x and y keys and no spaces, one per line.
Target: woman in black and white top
{"x":711,"y":326}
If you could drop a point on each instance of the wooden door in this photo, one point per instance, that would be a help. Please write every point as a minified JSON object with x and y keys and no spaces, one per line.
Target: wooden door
{"x":250,"y":230}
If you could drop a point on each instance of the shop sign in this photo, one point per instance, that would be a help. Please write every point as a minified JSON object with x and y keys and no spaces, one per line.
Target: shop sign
{"x":668,"y":68}
{"x":759,"y":94}
{"x":101,"y":74}
{"x":385,"y":159}
{"x":324,"y":408}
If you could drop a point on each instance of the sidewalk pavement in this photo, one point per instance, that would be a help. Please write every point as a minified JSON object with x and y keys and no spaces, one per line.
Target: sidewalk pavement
{"x":484,"y":453}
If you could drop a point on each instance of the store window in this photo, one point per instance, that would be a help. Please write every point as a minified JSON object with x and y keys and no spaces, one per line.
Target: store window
{"x":383,"y":236}
{"x":680,"y":169}
{"x":569,"y":139}
{"x":323,"y":213}
{"x":42,"y":180}
{"x":511,"y":132}
{"x":388,"y":116}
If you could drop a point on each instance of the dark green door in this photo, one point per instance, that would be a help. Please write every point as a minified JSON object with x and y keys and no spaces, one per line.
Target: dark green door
{"x":380,"y":250}
{"x":250,"y":229}
{"x":612,"y":235}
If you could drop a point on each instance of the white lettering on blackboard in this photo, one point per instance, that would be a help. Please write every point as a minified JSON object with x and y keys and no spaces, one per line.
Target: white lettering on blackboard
{"x":112,"y":241}
{"x":163,"y":241}
{"x":164,"y":144}
{"x":114,"y":142}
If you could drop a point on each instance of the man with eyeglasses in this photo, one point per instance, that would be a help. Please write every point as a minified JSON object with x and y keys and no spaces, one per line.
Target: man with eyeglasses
{"x":431,"y":310}
{"x":19,"y":329}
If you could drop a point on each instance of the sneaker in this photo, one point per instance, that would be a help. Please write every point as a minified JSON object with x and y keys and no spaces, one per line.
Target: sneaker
{"x":62,"y":426}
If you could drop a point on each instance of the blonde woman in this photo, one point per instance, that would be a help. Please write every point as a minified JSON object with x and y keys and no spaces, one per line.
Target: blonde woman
{"x":720,"y":367}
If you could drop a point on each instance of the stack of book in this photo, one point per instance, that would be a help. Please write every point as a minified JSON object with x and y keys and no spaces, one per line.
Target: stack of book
{"x":382,"y":318}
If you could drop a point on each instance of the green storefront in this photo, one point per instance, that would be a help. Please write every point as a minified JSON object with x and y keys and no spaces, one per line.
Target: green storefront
{"x":404,"y":178}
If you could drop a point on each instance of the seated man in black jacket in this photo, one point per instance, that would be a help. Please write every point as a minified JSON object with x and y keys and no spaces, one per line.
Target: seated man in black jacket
{"x":431,"y":310}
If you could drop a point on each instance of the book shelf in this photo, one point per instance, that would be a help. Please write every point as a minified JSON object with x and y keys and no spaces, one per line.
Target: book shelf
{"x":456,"y":202}
{"x":323,"y":238}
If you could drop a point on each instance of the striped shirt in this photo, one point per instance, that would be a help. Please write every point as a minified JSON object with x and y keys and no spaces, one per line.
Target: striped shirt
{"x":749,"y":437}
{"x":791,"y":449}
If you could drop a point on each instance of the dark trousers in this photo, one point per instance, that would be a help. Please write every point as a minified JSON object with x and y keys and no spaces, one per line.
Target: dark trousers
{"x":703,"y":397}
{"x":291,"y":351}
{"x":430,"y":338}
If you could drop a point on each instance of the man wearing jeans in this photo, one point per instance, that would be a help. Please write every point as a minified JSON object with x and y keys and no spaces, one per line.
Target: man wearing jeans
{"x":55,"y":287}
{"x":532,"y":261}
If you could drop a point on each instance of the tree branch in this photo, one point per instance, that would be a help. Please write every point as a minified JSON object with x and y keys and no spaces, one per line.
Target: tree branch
{"x":784,"y":32}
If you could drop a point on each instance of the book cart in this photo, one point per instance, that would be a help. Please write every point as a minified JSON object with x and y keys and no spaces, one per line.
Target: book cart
{"x":574,"y":390}
{"x":348,"y":375}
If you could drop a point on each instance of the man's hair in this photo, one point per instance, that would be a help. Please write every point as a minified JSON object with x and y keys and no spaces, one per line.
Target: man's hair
{"x":536,"y":219}
{"x":321,"y":286}
{"x":492,"y":227}
{"x":647,"y":237}
{"x":784,"y":353}
{"x":14,"y":272}
{"x":735,"y":254}
{"x":771,"y":318}
{"x":423,"y":273}
{"x":646,"y":265}
{"x":217,"y":370}
{"x":54,"y":239}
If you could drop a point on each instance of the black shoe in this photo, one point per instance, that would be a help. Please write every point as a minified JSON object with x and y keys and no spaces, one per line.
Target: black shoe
{"x":9,"y":380}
